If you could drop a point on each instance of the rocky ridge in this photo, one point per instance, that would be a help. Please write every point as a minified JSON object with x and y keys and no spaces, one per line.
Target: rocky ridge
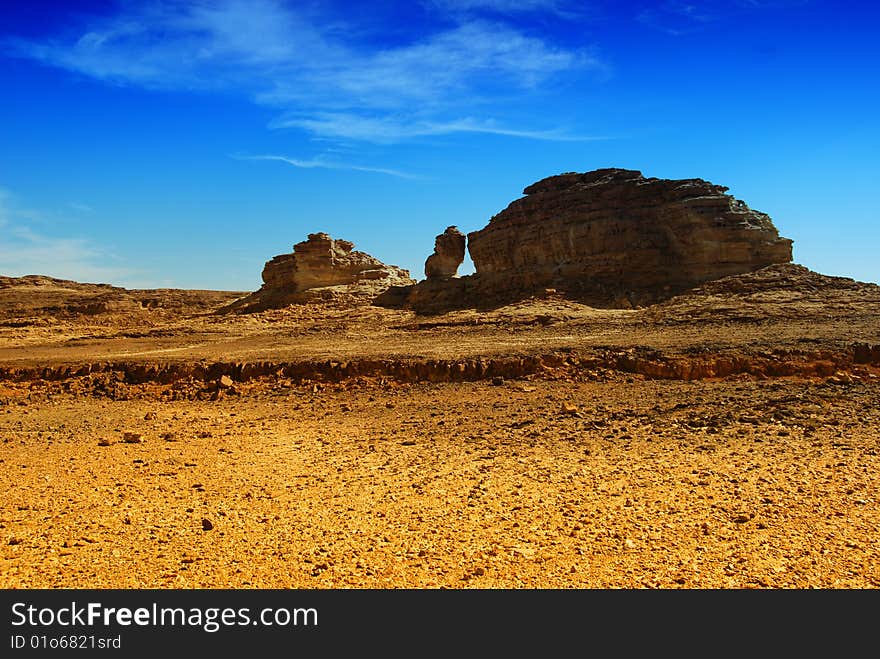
{"x":38,"y":299}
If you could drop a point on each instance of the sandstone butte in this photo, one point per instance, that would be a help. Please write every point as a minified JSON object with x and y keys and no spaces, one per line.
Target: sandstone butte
{"x":615,"y":230}
{"x":611,"y":238}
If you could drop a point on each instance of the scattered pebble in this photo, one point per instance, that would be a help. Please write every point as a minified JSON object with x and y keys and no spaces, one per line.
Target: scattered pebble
{"x":570,"y":410}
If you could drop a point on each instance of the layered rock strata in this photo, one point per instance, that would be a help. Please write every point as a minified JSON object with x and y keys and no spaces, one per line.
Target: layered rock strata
{"x":612,"y":238}
{"x":616,"y":231}
{"x":449,"y":248}
{"x":322,"y":268}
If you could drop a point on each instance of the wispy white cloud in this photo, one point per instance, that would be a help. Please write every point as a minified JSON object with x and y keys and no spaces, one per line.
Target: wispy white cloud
{"x":172,"y":44}
{"x":26,"y":251}
{"x":323,"y":163}
{"x":390,"y":128}
{"x":306,"y":65}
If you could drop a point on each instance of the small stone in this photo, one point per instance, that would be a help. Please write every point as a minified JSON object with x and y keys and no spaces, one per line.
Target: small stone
{"x":206,"y":524}
{"x":497,"y":381}
{"x":224,"y":382}
{"x":150,"y":416}
{"x":132,"y":438}
{"x":104,"y":442}
{"x":570,"y":410}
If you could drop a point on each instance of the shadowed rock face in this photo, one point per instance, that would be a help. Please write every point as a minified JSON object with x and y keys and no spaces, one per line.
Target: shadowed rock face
{"x":448,"y":254}
{"x":615,"y":230}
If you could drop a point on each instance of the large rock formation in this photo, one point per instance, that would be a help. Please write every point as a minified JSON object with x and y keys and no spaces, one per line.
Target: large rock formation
{"x":448,"y":254}
{"x":322,"y":268}
{"x":616,"y":231}
{"x":612,"y":238}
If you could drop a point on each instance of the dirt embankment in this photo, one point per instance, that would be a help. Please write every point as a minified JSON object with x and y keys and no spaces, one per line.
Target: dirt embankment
{"x":858,"y":360}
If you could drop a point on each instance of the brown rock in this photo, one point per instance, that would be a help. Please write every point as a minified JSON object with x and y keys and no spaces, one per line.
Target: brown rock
{"x":224,"y":382}
{"x":610,"y":238}
{"x":624,"y":237}
{"x":318,"y":261}
{"x":448,"y":254}
{"x":207,"y":525}
{"x":132,"y":438}
{"x":569,"y":410}
{"x":319,"y":269}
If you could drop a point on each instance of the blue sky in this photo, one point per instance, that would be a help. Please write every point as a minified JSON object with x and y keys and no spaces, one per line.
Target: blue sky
{"x":183,"y":144}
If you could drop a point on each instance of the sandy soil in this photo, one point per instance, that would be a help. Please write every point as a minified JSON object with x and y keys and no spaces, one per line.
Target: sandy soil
{"x":587,"y":472}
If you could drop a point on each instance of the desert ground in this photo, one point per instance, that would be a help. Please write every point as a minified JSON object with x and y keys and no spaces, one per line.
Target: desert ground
{"x":726,"y":438}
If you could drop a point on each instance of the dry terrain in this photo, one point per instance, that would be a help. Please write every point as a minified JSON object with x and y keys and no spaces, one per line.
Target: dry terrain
{"x":725,"y":438}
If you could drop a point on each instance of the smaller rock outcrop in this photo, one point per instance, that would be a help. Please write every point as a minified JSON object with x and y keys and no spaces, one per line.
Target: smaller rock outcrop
{"x":448,"y":254}
{"x":322,"y":268}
